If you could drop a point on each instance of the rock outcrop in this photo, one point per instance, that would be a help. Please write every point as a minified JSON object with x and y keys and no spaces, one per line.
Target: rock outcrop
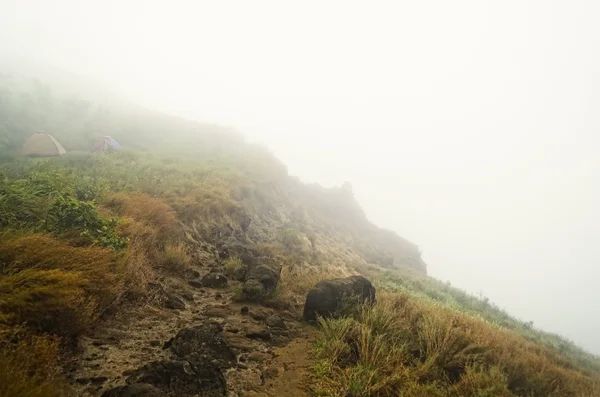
{"x":329,"y":297}
{"x":199,"y":355}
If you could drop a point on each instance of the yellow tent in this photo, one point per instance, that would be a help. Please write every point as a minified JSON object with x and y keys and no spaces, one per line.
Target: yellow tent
{"x":42,"y":144}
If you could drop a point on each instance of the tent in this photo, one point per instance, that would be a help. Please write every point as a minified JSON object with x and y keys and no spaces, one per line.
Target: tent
{"x":106,"y":144}
{"x":42,"y":145}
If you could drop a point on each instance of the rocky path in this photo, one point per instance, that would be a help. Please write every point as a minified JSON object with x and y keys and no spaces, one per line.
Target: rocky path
{"x":179,"y":348}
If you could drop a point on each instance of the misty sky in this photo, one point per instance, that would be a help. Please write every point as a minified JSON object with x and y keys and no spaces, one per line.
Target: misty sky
{"x":469,"y":127}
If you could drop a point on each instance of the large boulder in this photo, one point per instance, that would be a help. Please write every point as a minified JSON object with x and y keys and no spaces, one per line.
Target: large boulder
{"x":262,"y":277}
{"x":328,"y":297}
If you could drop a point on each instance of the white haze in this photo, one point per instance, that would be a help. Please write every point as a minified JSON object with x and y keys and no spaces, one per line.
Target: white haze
{"x":469,"y":127}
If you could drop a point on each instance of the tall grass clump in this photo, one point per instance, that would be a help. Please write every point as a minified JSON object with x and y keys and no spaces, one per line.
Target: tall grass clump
{"x":54,"y":287}
{"x":175,"y":258}
{"x":409,"y":346}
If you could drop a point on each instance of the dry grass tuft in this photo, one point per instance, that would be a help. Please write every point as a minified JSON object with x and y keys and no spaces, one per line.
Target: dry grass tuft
{"x":147,"y":210}
{"x":54,"y":287}
{"x":28,"y":367}
{"x":174,"y":258}
{"x":295,"y":282}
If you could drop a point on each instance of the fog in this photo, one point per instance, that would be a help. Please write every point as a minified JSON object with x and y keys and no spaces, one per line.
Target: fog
{"x":469,"y":127}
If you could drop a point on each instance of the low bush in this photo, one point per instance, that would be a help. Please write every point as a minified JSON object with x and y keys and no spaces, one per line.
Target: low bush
{"x":68,"y":215}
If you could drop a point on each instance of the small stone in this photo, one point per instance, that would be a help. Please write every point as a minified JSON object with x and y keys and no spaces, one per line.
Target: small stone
{"x":195,"y":283}
{"x":245,"y":310}
{"x":258,"y":357}
{"x":98,"y":380}
{"x":188,"y":296}
{"x":259,"y":315}
{"x":154,"y":343}
{"x":174,"y":303}
{"x":276,"y":321}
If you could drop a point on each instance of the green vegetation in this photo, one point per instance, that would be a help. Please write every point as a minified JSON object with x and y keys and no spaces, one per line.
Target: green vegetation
{"x":80,"y":237}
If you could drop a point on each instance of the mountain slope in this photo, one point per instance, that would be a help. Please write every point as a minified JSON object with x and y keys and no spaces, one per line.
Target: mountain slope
{"x":103,"y":259}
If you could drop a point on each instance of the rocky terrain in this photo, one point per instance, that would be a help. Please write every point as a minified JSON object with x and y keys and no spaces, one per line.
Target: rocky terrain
{"x":198,"y":341}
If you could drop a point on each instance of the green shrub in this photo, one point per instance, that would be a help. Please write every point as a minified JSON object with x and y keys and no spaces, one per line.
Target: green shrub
{"x":67,"y":214}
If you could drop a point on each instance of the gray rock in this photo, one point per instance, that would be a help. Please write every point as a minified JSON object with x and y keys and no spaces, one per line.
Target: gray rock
{"x":275,"y":321}
{"x":330,"y":298}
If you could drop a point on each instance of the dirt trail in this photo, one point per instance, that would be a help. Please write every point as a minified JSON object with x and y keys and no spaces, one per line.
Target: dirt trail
{"x":272,"y":352}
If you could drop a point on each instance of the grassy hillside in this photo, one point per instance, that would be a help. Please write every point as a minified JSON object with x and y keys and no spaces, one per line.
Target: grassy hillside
{"x":87,"y":234}
{"x":426,"y":338}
